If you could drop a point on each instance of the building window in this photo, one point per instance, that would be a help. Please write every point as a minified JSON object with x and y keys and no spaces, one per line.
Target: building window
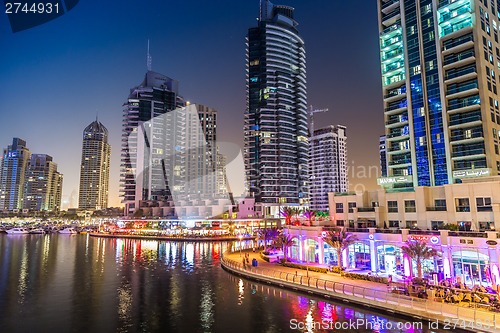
{"x":339,"y":207}
{"x":393,"y":224}
{"x":351,"y":206}
{"x":340,"y":223}
{"x":439,"y":205}
{"x":483,"y":204}
{"x":392,"y":206}
{"x":437,"y":225}
{"x":410,"y":206}
{"x":462,"y":204}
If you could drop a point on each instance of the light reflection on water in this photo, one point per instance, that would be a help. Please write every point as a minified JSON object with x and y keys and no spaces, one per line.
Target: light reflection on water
{"x":85,"y":284}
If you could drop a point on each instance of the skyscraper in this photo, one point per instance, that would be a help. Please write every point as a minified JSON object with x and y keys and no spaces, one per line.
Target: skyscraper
{"x":328,"y":167}
{"x":94,"y":169}
{"x":440,"y":62}
{"x":276,"y":129}
{"x":15,"y":161}
{"x":43,"y":185}
{"x":144,"y":139}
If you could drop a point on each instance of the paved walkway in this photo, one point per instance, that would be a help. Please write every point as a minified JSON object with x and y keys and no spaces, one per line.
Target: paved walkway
{"x":328,"y":276}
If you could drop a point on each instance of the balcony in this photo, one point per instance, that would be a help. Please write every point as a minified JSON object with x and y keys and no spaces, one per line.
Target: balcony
{"x":366,"y":209}
{"x":484,"y":208}
{"x":435,"y":209}
{"x":467,"y":234}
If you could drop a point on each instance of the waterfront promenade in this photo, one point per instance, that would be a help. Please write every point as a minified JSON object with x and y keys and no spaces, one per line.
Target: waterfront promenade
{"x":362,"y":292}
{"x":169,"y":238}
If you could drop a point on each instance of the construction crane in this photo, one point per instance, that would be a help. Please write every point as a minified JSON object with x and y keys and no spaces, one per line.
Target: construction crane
{"x":312,"y":111}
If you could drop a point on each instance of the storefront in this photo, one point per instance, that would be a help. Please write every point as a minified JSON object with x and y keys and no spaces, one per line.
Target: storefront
{"x":390,"y":259}
{"x":359,"y":256}
{"x":471,"y":266}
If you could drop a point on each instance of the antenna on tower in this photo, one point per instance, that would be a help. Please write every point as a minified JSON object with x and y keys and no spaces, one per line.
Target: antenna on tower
{"x":149,"y":60}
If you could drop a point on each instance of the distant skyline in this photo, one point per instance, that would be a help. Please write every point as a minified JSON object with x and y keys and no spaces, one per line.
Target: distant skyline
{"x":58,"y":76}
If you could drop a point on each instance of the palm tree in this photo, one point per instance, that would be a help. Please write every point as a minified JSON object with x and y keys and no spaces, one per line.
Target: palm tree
{"x":309,"y":215}
{"x":287,"y":213}
{"x":418,"y":251}
{"x":296,"y":211}
{"x":268,"y":234}
{"x":340,"y":240}
{"x":285,"y":241}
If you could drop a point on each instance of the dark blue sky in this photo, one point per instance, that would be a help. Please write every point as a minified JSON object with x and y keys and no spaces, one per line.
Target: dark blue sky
{"x":57,"y":76}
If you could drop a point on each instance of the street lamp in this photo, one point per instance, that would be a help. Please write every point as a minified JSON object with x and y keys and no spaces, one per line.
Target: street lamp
{"x":241,"y":238}
{"x":307,"y":259}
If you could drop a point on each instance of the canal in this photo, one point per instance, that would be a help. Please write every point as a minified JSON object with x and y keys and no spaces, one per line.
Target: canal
{"x":77,"y":283}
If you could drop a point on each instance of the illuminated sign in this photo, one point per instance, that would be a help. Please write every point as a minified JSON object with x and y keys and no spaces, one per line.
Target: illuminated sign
{"x":394,"y":180}
{"x":434,"y":240}
{"x":472,"y":173}
{"x":491,"y":242}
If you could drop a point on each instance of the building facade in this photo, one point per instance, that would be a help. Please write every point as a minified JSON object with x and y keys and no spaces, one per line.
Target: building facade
{"x":470,"y":206}
{"x":460,"y":256}
{"x":144,"y":139}
{"x":15,"y":160}
{"x":382,"y":147}
{"x":439,"y":75}
{"x":94,"y":168}
{"x":276,"y":129}
{"x":43,"y":184}
{"x":328,"y":165}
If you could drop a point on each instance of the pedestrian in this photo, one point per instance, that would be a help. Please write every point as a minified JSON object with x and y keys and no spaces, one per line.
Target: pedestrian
{"x":244,"y":263}
{"x":253,"y":249}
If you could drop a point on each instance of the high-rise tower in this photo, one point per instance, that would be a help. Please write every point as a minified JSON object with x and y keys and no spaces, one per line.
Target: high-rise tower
{"x":94,"y":173}
{"x":43,"y":185}
{"x":144,"y":137}
{"x":15,"y":161}
{"x":440,"y":63}
{"x":276,"y":131}
{"x":328,"y":153}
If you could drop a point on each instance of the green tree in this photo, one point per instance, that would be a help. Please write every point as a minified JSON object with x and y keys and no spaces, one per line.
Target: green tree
{"x":339,"y":239}
{"x":418,"y":251}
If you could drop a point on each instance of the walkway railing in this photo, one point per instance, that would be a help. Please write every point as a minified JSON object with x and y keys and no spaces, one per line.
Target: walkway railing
{"x":445,"y":312}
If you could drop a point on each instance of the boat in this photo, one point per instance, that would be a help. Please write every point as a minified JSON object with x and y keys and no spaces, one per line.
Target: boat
{"x":37,"y":231}
{"x":68,"y":231}
{"x":16,"y":230}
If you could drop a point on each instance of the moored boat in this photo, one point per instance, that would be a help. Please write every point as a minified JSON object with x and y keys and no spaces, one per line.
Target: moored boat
{"x":17,"y":230}
{"x":69,"y":231}
{"x":37,"y":231}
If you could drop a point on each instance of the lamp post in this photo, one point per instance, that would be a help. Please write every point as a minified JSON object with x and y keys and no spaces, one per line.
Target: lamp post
{"x":307,"y":259}
{"x":241,"y":238}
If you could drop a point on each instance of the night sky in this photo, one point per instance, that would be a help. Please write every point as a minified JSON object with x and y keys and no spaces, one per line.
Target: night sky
{"x":57,"y":76}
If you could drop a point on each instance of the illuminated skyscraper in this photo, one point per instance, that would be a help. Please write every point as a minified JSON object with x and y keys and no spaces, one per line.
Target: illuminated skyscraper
{"x":276,"y":129}
{"x":15,"y":160}
{"x":144,"y":137}
{"x":43,"y":185}
{"x":94,"y":173}
{"x":440,"y":63}
{"x":328,"y":153}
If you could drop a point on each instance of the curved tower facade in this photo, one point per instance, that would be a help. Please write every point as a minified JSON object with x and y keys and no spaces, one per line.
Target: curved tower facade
{"x":276,"y":132}
{"x":94,"y":174}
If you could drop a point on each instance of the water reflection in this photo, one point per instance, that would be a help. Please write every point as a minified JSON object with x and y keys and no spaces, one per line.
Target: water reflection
{"x":84,"y":284}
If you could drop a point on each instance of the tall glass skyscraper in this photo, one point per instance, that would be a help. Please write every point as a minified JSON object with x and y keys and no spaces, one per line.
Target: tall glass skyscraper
{"x":440,"y":61}
{"x":94,"y":173}
{"x":276,"y":132}
{"x":15,"y":161}
{"x":144,"y":134}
